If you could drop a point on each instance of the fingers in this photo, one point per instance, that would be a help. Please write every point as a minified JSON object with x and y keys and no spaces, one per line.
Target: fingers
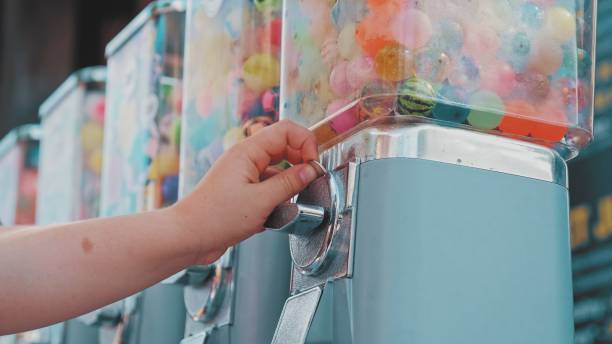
{"x":284,"y":185}
{"x":283,"y":140}
{"x":270,"y":172}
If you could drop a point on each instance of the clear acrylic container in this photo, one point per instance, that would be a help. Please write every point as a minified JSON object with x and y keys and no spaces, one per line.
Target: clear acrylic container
{"x":19,"y":174}
{"x":232,"y":74}
{"x":521,"y":68}
{"x":143,"y":113}
{"x":72,"y":124}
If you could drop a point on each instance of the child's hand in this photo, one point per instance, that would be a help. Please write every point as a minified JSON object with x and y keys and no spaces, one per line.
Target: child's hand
{"x":47,"y":271}
{"x":236,"y":196}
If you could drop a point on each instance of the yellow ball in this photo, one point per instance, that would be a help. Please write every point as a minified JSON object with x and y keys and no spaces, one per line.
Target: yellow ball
{"x":560,"y":24}
{"x":261,"y":72}
{"x":165,"y":164}
{"x":92,"y":136}
{"x":94,"y":163}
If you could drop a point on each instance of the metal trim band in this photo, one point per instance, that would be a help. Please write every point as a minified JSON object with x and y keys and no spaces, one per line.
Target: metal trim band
{"x":449,"y":145}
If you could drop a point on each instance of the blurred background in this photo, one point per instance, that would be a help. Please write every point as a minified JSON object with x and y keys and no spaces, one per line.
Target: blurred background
{"x":42,"y":42}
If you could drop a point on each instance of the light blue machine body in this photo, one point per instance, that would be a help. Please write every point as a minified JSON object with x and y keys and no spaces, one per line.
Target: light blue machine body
{"x":477,"y":257}
{"x":437,"y":243}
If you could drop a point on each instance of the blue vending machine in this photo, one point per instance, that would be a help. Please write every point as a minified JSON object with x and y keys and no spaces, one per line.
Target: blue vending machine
{"x":232,"y":74}
{"x":19,"y":160}
{"x":72,"y":125}
{"x":443,"y":127}
{"x":141,"y":157}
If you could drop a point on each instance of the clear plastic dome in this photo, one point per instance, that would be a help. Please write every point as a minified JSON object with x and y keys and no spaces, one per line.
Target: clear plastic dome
{"x":232,"y":74}
{"x":72,"y":124}
{"x":143,"y":113}
{"x":19,"y":152}
{"x":518,"y":68}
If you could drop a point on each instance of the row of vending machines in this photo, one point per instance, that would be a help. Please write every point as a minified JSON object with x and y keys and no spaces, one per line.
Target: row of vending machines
{"x":444,"y":127}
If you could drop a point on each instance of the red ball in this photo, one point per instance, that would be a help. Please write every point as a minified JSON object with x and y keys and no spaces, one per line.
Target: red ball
{"x":518,"y":119}
{"x":276,"y":31}
{"x":553,"y":124}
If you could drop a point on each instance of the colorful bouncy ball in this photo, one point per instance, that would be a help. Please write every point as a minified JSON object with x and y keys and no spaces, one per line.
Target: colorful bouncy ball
{"x":451,"y":105}
{"x":261,"y":72}
{"x":169,"y":188}
{"x":487,"y":110}
{"x":415,"y":97}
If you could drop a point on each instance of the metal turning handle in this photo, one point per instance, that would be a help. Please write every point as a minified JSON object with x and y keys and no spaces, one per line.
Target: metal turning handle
{"x":295,"y":218}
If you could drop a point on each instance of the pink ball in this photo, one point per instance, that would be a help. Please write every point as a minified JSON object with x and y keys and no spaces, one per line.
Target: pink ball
{"x":412,"y":28}
{"x":360,"y":71}
{"x":268,"y":100}
{"x":99,"y":110}
{"x":546,"y":56}
{"x":481,"y":42}
{"x":28,"y":182}
{"x":338,"y":80}
{"x":342,"y":121}
{"x":499,"y":77}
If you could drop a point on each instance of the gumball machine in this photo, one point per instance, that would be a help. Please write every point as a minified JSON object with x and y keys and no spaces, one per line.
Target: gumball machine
{"x":232,"y":75}
{"x":19,"y":170}
{"x":19,"y":151}
{"x":444,"y":126}
{"x":72,"y":132}
{"x":71,"y":148}
{"x":141,"y":155}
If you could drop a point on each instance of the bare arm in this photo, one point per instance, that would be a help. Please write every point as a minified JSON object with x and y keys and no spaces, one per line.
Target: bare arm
{"x":49,"y":274}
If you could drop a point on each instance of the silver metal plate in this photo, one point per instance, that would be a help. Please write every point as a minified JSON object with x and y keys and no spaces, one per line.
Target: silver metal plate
{"x":297,"y":316}
{"x":306,"y":250}
{"x":413,"y":139}
{"x":199,"y":338}
{"x":209,"y":303}
{"x":333,"y":256}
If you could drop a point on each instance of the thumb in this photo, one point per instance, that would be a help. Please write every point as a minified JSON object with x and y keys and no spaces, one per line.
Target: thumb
{"x":288,"y":183}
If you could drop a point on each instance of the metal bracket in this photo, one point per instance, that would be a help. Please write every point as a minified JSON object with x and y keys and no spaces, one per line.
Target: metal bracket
{"x":199,"y":338}
{"x":330,"y":257}
{"x":209,"y":302}
{"x":297,"y":316}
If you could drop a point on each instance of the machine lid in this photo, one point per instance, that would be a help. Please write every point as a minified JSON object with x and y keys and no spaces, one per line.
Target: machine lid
{"x":412,"y":138}
{"x":24,"y":132}
{"x":152,"y":10}
{"x":95,"y":74}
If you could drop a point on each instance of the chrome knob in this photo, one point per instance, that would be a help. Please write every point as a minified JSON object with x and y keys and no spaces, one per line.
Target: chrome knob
{"x":295,"y":218}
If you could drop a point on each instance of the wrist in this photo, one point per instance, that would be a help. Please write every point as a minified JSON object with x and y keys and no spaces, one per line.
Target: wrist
{"x":202,"y":249}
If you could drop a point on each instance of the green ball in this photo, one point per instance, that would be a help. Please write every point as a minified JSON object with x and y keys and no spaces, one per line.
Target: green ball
{"x":267,"y":5}
{"x":487,"y":110}
{"x":416,"y":97}
{"x":175,"y":132}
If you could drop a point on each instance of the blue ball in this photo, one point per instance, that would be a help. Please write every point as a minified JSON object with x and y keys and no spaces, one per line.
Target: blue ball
{"x":347,"y":11}
{"x":170,"y":186}
{"x":532,"y":15}
{"x":449,"y":37}
{"x":451,"y":105}
{"x":521,"y":45}
{"x":515,"y":49}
